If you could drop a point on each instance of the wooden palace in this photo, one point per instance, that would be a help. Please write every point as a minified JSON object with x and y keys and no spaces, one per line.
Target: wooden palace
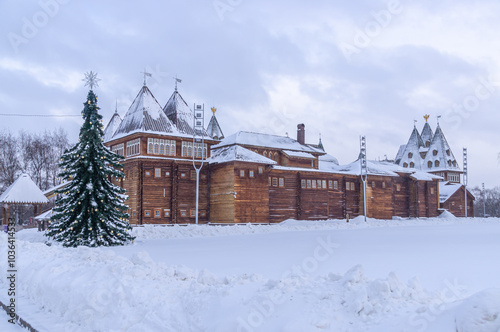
{"x":261,"y":178}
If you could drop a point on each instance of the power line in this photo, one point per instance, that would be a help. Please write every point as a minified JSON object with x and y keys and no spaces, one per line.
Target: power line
{"x":41,"y":115}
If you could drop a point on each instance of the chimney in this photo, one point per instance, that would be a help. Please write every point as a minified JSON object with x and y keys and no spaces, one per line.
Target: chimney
{"x":301,"y":133}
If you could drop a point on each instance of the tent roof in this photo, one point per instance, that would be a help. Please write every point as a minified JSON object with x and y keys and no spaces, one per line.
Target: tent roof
{"x":23,"y":191}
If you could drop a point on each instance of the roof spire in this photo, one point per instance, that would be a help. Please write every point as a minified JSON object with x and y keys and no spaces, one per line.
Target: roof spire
{"x":177,"y":80}
{"x":426,"y":117}
{"x":116,"y":105}
{"x":146,"y":74}
{"x":438,"y":117}
{"x":415,"y":123}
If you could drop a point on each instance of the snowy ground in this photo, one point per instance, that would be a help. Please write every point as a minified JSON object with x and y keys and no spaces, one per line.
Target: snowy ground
{"x":384,"y":275}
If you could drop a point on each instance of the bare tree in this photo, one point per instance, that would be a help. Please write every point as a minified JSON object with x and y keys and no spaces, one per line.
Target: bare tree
{"x":9,"y":163}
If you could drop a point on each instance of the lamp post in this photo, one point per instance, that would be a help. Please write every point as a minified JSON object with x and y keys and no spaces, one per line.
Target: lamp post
{"x":465,"y":179}
{"x":364,"y":172}
{"x":484,"y":202}
{"x":198,"y":147}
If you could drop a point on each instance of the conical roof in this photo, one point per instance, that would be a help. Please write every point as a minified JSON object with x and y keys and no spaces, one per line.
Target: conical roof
{"x":439,"y":157}
{"x":145,"y":115}
{"x":426,"y":134}
{"x":410,"y":155}
{"x":178,"y":112}
{"x":112,"y":126}
{"x":23,"y":191}
{"x":214,"y":129}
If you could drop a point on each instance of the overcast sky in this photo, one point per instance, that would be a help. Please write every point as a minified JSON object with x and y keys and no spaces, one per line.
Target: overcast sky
{"x":343,"y":68}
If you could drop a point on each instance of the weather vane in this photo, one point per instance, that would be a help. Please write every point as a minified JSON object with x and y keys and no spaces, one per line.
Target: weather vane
{"x":177,"y":80}
{"x":146,"y":74}
{"x":426,"y":117}
{"x":91,"y":79}
{"x":213,"y":110}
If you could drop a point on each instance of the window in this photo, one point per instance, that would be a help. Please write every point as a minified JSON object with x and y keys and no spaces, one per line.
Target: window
{"x":183,"y":175}
{"x":335,"y":185}
{"x":167,"y":174}
{"x":265,"y":154}
{"x":203,"y":213}
{"x":203,"y":176}
{"x":405,"y":165}
{"x":434,"y":152}
{"x":242,"y":173}
{"x":275,"y":182}
{"x":147,"y":213}
{"x":436,"y":163}
{"x":157,"y":172}
{"x":147,"y":173}
{"x":261,"y":170}
{"x":192,"y":213}
{"x":303,"y":184}
{"x":323,"y":182}
{"x":448,"y":153}
{"x":164,"y":147}
{"x":183,"y":213}
{"x":330,"y":184}
{"x":410,"y":155}
{"x":157,"y":213}
{"x":314,"y":184}
{"x":432,"y":191}
{"x":412,"y":165}
{"x":250,"y":173}
{"x":276,"y":156}
{"x":166,"y":213}
{"x":118,"y":149}
{"x":281,"y":182}
{"x":347,"y":186}
{"x":454,"y":177}
{"x":319,"y":184}
{"x":134,"y":213}
{"x":270,"y":181}
{"x":398,"y":187}
{"x":198,"y":149}
{"x":134,"y":147}
{"x":383,"y":184}
{"x":427,"y":144}
{"x":429,"y":164}
{"x":308,"y":184}
{"x":192,"y":175}
{"x":352,"y":186}
{"x":373,"y":184}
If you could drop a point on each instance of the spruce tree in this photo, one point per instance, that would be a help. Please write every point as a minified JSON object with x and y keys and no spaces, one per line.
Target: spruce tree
{"x":90,"y":211}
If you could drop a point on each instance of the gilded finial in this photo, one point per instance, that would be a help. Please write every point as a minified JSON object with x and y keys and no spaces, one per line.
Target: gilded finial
{"x":426,"y":117}
{"x":214,"y":110}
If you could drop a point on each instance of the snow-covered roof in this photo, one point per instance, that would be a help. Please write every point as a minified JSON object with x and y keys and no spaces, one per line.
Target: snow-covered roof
{"x":23,"y":191}
{"x":112,"y":126}
{"x":145,"y":115}
{"x":410,"y":155}
{"x":266,"y":141}
{"x":238,"y":153}
{"x":179,"y":113}
{"x":45,"y":216}
{"x":326,"y":160}
{"x":298,"y":154}
{"x":380,"y":168}
{"x":447,"y":189}
{"x":440,"y":152}
{"x":426,"y":133}
{"x":399,"y":155}
{"x":213,"y":129}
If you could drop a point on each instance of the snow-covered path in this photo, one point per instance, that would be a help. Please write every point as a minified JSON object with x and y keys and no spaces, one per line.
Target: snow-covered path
{"x":393,"y":275}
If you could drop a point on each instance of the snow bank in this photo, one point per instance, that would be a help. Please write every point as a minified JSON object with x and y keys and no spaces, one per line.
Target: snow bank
{"x":92,"y":289}
{"x":480,"y":312}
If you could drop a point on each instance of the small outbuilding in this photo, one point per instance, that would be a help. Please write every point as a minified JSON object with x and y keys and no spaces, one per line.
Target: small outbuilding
{"x":22,"y":192}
